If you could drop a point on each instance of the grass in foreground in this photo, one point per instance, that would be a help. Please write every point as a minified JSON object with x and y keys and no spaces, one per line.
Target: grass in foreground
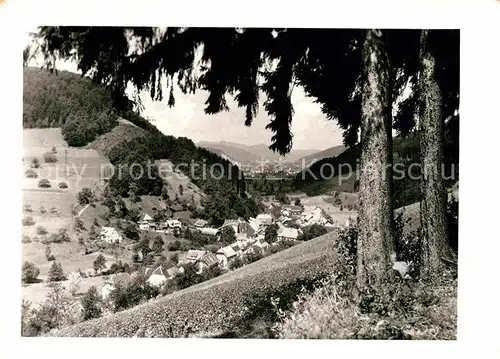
{"x":414,"y":311}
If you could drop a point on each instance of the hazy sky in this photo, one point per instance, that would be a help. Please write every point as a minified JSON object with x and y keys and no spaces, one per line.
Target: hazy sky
{"x":310,"y":127}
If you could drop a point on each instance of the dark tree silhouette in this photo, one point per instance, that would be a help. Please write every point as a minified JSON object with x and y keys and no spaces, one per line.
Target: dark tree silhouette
{"x":329,"y":64}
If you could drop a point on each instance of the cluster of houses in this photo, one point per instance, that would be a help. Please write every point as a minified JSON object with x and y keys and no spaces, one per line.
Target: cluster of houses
{"x":250,"y":238}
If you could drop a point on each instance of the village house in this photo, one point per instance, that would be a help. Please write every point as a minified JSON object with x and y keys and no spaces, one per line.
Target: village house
{"x":146,"y":222}
{"x":110,"y":235}
{"x":238,"y":249}
{"x":291,"y":210}
{"x":288,"y":234}
{"x":315,"y":216}
{"x":224,"y":255}
{"x":207,"y":261}
{"x":173,"y":223}
{"x":157,"y":277}
{"x":265,"y":219}
{"x":200,"y":223}
{"x":194,"y":255}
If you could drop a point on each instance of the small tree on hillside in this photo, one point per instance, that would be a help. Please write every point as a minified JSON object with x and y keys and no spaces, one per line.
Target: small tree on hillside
{"x":44,"y":183}
{"x":228,"y":235}
{"x":49,"y":157}
{"x":85,"y":196}
{"x":56,"y":273}
{"x":31,"y":174}
{"x":181,"y":190}
{"x":35,"y":163}
{"x":48,"y":254}
{"x":74,"y":282}
{"x":297,"y":202}
{"x":158,"y":243}
{"x":62,"y":185}
{"x":29,"y":272}
{"x":91,"y":303}
{"x":99,"y":263}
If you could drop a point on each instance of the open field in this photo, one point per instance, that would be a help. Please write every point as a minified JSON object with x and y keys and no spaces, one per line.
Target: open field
{"x":69,"y":254}
{"x":37,"y":293}
{"x":326,"y":202}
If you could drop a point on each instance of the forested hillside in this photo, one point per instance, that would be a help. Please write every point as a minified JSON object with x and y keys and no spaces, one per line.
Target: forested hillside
{"x":85,"y":114}
{"x":406,"y":153}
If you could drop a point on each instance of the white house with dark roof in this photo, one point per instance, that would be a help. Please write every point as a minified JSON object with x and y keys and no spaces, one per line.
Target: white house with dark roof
{"x":288,"y":234}
{"x":157,"y":278}
{"x":145,"y":223}
{"x":110,"y":235}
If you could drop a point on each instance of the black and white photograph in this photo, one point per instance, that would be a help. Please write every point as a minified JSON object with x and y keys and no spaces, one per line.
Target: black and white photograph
{"x":240,"y":182}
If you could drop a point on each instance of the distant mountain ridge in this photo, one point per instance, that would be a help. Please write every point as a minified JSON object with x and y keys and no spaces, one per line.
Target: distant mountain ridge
{"x":253,"y":153}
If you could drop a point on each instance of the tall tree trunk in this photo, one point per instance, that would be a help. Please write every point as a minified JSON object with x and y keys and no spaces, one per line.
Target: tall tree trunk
{"x":376,"y":239}
{"x":434,"y":235}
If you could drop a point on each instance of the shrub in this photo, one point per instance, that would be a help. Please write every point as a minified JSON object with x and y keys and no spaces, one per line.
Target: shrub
{"x":44,"y":183}
{"x":174,"y":246}
{"x":78,"y":225}
{"x":41,"y":230}
{"x":131,"y":231}
{"x":35,"y":163}
{"x":29,"y":272}
{"x":27,"y":208}
{"x":26,"y":239}
{"x":85,"y":196}
{"x":99,"y":263}
{"x":48,"y":254}
{"x":402,"y":309}
{"x":91,"y":303}
{"x":62,"y":185}
{"x":28,"y":221}
{"x":312,"y":231}
{"x":58,"y":310}
{"x":43,"y":210}
{"x":50,"y":157}
{"x":31,"y":174}
{"x":236,"y":263}
{"x":56,"y":273}
{"x":60,"y":237}
{"x":54,"y":150}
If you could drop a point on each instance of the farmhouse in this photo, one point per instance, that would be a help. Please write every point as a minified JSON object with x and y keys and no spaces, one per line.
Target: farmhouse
{"x":157,"y":278}
{"x":200,"y":223}
{"x":288,"y":234}
{"x":208,"y":261}
{"x":110,"y":235}
{"x":173,"y":223}
{"x":194,"y":255}
{"x":289,"y":210}
{"x":265,"y":219}
{"x":224,"y":255}
{"x":146,"y":222}
{"x":316,"y":215}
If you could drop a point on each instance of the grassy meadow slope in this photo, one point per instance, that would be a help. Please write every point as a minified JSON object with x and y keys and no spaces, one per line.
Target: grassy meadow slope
{"x":220,"y":304}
